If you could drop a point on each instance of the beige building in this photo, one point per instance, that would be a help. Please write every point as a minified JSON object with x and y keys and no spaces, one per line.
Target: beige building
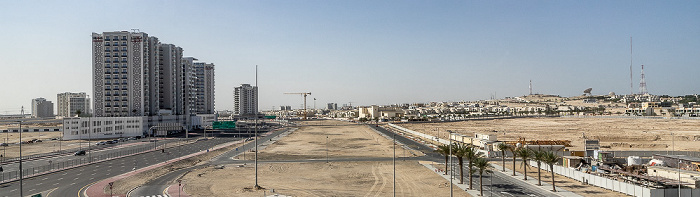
{"x":69,"y":103}
{"x":374,"y":111}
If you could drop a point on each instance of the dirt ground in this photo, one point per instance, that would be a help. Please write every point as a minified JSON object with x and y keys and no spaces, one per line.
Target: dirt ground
{"x":561,"y":181}
{"x":46,"y":146}
{"x":304,"y":178}
{"x":614,"y":134}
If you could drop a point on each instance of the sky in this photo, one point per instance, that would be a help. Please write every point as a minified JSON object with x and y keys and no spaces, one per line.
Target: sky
{"x":367,"y":52}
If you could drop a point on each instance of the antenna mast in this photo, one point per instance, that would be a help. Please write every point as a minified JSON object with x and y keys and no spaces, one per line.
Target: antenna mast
{"x":530,"y":87}
{"x":631,"y":86}
{"x":643,"y":84}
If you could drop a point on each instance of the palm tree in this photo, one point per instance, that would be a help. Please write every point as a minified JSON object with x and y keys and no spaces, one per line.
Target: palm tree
{"x":513,"y":150}
{"x":503,"y":147}
{"x":471,"y":154}
{"x":525,"y":154}
{"x":444,"y":150}
{"x":459,"y":150}
{"x":538,"y":156}
{"x":550,"y":158}
{"x":482,"y":166}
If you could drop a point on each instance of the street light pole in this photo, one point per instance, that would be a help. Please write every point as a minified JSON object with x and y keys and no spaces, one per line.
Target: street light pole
{"x":89,"y":139}
{"x":451,"y":170}
{"x":394,"y":160}
{"x":491,"y":184}
{"x":673,"y":148}
{"x":21,"y":175}
{"x":326,"y":148}
{"x":256,"y":132}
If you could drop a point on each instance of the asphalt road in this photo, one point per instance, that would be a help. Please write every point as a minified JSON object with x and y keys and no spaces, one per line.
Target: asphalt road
{"x":70,"y":181}
{"x":96,"y":152}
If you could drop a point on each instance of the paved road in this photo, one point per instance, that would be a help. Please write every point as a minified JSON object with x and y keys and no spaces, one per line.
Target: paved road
{"x":69,"y":182}
{"x":98,"y":152}
{"x":502,"y":185}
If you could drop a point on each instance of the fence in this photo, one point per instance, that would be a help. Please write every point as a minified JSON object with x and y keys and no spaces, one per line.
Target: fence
{"x":618,"y":186}
{"x":33,"y":171}
{"x":635,"y":117}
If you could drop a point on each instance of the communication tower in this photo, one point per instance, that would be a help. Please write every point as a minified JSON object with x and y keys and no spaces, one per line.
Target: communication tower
{"x":643,"y":84}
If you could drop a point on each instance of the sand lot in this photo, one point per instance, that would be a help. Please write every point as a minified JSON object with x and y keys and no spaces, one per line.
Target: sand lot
{"x":304,"y":178}
{"x":614,"y":134}
{"x":45,"y":146}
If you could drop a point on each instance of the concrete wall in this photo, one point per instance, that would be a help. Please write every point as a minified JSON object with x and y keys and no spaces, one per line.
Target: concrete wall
{"x":618,"y":186}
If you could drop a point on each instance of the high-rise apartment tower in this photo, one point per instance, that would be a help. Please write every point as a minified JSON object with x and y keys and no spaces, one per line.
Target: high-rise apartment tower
{"x":246,"y":100}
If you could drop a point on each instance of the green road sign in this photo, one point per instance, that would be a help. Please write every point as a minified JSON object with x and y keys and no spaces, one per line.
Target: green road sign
{"x":270,"y":117}
{"x":36,"y":195}
{"x":224,"y":125}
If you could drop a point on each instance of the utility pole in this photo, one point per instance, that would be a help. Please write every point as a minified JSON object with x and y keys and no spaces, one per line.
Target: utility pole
{"x":451,"y":170}
{"x":21,"y":175}
{"x":256,"y":129}
{"x":394,"y":160}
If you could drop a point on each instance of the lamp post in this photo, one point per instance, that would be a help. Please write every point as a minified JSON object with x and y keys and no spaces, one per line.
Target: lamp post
{"x":326,"y":148}
{"x":491,"y":184}
{"x":256,"y":132}
{"x":451,"y":170}
{"x":21,"y":175}
{"x":673,"y":148}
{"x":89,"y":139}
{"x":394,"y":160}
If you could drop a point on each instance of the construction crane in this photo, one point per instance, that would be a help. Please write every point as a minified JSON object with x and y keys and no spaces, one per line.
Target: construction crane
{"x":303,"y":94}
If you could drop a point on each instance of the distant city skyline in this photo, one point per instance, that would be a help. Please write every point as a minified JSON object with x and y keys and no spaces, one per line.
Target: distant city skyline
{"x":367,"y":52}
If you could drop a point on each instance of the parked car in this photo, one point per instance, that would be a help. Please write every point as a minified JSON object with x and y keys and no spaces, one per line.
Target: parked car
{"x":109,"y":142}
{"x":3,"y":144}
{"x":79,"y":153}
{"x":100,"y":143}
{"x":115,"y":141}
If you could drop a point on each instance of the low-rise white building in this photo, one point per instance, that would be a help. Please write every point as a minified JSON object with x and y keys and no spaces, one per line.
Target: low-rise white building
{"x":102,"y":127}
{"x":117,"y":127}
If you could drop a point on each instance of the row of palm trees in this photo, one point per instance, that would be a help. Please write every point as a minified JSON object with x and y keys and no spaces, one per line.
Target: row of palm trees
{"x":525,"y":154}
{"x":475,"y":159}
{"x":477,"y":162}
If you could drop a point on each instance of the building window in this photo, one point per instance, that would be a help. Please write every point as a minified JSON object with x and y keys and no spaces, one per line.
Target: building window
{"x":123,"y":48}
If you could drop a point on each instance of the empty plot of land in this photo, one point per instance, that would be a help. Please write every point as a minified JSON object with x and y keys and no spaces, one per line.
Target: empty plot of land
{"x":47,"y":145}
{"x":614,"y":134}
{"x":353,"y":178}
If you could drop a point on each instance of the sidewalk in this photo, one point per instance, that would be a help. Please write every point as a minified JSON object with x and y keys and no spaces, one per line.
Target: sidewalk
{"x":172,"y":190}
{"x":97,"y":189}
{"x":531,"y":181}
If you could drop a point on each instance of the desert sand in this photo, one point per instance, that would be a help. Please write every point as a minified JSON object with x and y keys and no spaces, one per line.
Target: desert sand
{"x":318,"y":178}
{"x":614,"y":134}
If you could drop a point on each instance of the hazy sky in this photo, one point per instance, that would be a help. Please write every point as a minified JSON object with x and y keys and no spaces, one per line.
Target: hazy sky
{"x":367,"y":52}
